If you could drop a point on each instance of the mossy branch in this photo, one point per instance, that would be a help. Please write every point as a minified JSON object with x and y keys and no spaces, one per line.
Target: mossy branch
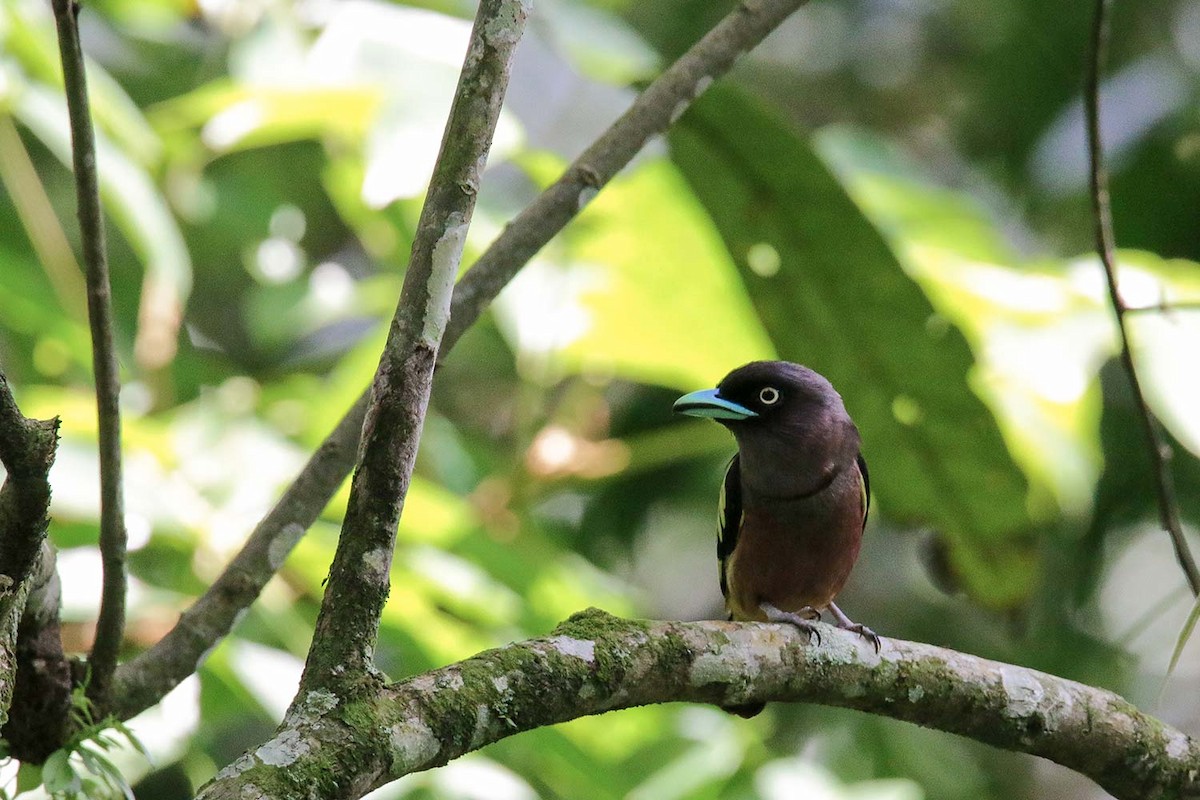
{"x":595,"y":662}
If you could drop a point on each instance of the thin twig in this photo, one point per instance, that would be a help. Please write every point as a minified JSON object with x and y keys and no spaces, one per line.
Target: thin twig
{"x":1160,"y":451}
{"x":148,"y":677}
{"x":1165,"y":307}
{"x":348,"y":625}
{"x":110,"y":624}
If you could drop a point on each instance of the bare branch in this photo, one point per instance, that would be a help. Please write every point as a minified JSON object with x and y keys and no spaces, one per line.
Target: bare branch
{"x":1160,"y":451}
{"x":344,"y":640}
{"x":110,"y":625}
{"x":595,"y":663}
{"x":149,"y":676}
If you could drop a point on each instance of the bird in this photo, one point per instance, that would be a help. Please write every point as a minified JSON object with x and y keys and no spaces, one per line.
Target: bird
{"x":794,"y":499}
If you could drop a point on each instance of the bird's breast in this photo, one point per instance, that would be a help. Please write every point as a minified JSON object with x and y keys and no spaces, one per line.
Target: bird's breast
{"x":793,"y":554}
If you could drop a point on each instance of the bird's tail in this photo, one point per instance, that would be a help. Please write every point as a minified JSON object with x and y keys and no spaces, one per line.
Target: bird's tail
{"x":746,"y":711}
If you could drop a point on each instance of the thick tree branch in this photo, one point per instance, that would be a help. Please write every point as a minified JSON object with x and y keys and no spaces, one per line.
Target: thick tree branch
{"x":31,"y":657}
{"x":344,"y":640}
{"x":27,"y":449}
{"x":1160,"y":451}
{"x":148,"y":677}
{"x":39,"y":716}
{"x":110,"y":625}
{"x":594,"y":663}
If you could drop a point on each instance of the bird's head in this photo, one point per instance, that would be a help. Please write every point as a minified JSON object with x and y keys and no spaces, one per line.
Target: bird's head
{"x":772,"y":395}
{"x":790,"y":423}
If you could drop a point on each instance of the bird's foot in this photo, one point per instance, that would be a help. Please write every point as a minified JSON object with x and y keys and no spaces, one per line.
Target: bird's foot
{"x":847,"y":624}
{"x":802,"y":619}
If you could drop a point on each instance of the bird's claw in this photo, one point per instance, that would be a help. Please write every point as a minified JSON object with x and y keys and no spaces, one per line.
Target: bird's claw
{"x":847,"y":624}
{"x":802,"y":619}
{"x":865,"y":632}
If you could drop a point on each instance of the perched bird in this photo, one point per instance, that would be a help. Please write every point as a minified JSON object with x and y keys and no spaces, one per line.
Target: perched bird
{"x":794,"y":499}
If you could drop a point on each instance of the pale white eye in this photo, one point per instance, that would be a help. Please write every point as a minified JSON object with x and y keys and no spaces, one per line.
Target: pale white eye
{"x":769,"y":395}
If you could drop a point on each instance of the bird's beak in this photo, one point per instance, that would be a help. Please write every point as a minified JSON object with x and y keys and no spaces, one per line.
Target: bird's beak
{"x":707,"y":403}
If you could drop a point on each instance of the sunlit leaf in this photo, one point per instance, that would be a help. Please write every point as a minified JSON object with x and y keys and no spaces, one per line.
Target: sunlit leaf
{"x":1036,"y":338}
{"x":32,"y":41}
{"x":643,"y":290}
{"x":234,"y":117}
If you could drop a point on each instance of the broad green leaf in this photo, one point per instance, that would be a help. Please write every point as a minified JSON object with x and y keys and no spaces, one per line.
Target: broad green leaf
{"x":29,"y":777}
{"x":1040,"y":330}
{"x":832,"y":295}
{"x":902,"y":203}
{"x":1036,"y":337}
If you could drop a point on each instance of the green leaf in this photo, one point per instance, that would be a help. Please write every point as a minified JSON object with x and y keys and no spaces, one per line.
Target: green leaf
{"x":29,"y":777}
{"x":1185,"y":634}
{"x":58,"y":774}
{"x":109,"y":774}
{"x":643,"y":290}
{"x":234,"y":117}
{"x":832,"y":295}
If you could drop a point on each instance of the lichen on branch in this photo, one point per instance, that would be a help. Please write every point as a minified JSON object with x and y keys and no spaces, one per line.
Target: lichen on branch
{"x":595,"y":662}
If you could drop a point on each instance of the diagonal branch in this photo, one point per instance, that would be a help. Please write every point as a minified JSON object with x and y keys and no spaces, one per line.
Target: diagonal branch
{"x":140,"y":683}
{"x":595,"y":662}
{"x":344,"y":640}
{"x":1160,"y":451}
{"x":110,"y":625}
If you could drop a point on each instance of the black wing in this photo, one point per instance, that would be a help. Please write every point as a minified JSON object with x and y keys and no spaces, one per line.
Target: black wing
{"x":866,"y":487}
{"x":729,"y":519}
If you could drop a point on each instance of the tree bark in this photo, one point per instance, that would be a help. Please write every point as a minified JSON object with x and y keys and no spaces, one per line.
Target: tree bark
{"x":595,"y":662}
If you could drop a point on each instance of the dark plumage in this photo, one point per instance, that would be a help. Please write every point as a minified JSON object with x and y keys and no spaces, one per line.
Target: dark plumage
{"x":795,"y":497}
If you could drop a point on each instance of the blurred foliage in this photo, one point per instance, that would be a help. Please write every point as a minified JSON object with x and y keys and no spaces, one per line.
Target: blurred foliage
{"x":890,"y":192}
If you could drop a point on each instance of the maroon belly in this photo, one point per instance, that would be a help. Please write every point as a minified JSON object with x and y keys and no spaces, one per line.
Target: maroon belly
{"x":792,"y":560}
